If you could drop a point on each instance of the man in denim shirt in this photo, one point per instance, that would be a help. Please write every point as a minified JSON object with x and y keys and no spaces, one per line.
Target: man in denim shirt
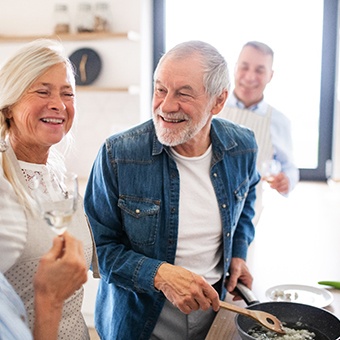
{"x":171,"y":203}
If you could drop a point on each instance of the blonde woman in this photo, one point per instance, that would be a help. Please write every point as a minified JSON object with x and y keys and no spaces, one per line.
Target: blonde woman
{"x":37,"y":110}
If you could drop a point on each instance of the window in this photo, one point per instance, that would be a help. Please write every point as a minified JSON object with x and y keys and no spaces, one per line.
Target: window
{"x":303,"y":36}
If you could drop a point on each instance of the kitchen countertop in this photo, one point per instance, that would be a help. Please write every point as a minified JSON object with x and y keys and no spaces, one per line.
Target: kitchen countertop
{"x":296,"y":242}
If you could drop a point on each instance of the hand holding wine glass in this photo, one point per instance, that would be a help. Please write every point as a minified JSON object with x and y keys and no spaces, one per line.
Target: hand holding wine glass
{"x":269,"y":169}
{"x":57,"y":208}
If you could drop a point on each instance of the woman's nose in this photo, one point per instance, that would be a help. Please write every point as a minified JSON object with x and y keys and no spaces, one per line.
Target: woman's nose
{"x":56,"y":103}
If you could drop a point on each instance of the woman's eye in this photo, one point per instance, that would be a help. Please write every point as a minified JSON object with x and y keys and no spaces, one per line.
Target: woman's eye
{"x":69,"y":94}
{"x":42,"y":92}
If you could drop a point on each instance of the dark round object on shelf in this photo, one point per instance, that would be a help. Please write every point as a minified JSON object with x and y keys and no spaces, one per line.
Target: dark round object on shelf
{"x":87,"y":64}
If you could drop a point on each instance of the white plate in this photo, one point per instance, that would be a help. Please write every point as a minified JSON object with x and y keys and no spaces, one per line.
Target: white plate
{"x":317,"y":297}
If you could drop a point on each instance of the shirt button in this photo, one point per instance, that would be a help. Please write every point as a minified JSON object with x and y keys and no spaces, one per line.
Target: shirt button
{"x":228,"y":234}
{"x":224,"y":206}
{"x":226,"y":260}
{"x":215,"y":174}
{"x":137,"y":211}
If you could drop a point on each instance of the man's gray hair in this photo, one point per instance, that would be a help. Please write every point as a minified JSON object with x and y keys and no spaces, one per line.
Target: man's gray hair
{"x":216,"y":75}
{"x":260,"y":46}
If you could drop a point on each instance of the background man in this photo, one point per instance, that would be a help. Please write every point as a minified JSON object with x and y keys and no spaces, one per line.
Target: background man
{"x":246,"y":106}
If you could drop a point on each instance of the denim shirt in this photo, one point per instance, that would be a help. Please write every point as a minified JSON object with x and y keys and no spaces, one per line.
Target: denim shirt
{"x":132,"y":202}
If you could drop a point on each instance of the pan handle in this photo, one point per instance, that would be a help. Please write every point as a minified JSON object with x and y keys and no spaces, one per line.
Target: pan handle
{"x":247,"y":295}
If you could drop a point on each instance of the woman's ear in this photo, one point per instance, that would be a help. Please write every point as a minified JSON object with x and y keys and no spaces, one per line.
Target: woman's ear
{"x":7,"y":112}
{"x":219,"y":102}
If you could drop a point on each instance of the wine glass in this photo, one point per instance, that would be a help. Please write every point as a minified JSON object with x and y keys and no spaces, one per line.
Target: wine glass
{"x":269,"y":169}
{"x":57,"y":207}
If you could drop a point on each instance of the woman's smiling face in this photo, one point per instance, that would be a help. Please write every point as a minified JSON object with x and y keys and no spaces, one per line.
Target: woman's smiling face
{"x":44,"y":114}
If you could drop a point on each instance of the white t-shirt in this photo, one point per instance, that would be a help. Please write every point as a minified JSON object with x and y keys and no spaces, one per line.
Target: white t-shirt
{"x":199,"y":246}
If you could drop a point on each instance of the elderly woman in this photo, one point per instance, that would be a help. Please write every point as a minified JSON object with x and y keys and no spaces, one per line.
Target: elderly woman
{"x":37,"y":110}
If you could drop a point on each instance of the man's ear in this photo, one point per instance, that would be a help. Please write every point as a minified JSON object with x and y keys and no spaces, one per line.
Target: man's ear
{"x":219,"y":103}
{"x":271,"y":76}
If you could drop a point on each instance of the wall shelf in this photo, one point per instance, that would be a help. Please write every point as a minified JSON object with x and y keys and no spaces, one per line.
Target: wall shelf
{"x":131,"y":89}
{"x":130,"y":35}
{"x":88,"y":36}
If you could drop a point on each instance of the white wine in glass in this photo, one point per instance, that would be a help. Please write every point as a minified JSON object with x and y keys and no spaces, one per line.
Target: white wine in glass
{"x":57,"y":210}
{"x":269,"y":169}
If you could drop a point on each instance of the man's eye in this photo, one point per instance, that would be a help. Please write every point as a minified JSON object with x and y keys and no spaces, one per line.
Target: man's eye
{"x":160,"y":91}
{"x":184,"y":95}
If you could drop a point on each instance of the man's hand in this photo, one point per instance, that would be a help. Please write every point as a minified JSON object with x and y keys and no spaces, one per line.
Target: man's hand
{"x":280,"y":183}
{"x":238,"y":271}
{"x":185,"y":289}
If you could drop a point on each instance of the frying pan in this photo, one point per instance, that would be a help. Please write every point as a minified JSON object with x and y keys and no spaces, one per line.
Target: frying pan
{"x":324,"y":324}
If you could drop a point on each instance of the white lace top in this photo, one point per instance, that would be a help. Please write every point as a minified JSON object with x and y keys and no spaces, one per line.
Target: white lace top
{"x":13,"y":223}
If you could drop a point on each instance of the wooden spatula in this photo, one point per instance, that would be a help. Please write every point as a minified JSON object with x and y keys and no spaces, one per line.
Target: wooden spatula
{"x":265,"y":319}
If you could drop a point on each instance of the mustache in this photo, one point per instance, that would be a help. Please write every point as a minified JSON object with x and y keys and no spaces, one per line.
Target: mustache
{"x":174,"y":116}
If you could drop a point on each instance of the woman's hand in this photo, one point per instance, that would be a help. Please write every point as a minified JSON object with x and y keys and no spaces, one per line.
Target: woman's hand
{"x":60,"y":273}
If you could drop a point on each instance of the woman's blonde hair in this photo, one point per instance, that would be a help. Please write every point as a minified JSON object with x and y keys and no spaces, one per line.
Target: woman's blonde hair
{"x":16,"y":76}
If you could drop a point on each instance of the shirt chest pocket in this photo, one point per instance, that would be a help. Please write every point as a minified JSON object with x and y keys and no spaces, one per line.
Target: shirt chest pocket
{"x":140,"y":218}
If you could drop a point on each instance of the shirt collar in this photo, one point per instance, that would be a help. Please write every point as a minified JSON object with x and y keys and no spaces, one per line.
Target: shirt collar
{"x":234,"y":101}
